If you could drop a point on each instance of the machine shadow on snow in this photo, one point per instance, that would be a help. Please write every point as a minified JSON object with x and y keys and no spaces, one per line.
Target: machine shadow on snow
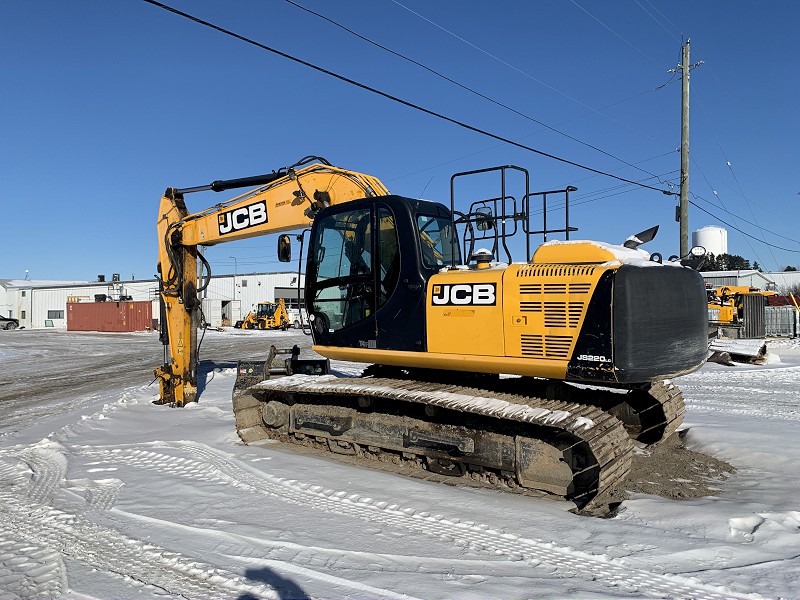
{"x":206,"y":370}
{"x":286,"y":589}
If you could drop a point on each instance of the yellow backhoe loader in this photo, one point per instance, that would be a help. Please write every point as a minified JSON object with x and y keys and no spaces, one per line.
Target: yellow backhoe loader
{"x":268,"y":315}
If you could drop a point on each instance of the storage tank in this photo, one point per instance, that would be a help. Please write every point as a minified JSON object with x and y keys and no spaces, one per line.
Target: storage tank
{"x":713,"y":239}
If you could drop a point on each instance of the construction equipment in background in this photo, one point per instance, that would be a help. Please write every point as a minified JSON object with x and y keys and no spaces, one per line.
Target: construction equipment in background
{"x":737,"y":311}
{"x":268,"y":315}
{"x":386,"y":284}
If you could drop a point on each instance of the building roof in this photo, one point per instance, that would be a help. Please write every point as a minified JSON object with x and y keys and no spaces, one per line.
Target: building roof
{"x":737,"y":273}
{"x":25,"y":284}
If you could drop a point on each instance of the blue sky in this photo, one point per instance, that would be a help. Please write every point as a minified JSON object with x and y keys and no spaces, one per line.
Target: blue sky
{"x":105,"y":104}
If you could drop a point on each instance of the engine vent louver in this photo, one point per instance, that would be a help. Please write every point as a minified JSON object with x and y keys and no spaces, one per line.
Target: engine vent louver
{"x":556,"y":314}
{"x":555,"y":271}
{"x":546,"y":346}
{"x":550,"y":305}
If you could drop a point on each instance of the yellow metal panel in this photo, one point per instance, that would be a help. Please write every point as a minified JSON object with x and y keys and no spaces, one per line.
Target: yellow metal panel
{"x":465,"y":312}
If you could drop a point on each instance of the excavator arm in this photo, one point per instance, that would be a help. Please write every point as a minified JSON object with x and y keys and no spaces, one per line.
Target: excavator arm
{"x":285,"y":200}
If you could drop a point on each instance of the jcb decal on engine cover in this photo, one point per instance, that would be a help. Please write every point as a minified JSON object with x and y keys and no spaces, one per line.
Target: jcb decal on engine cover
{"x":243,"y":217}
{"x":464,"y":294}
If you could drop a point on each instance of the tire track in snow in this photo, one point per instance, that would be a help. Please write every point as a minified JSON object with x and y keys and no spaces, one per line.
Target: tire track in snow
{"x":35,"y":537}
{"x":732,"y":391}
{"x":48,"y":466}
{"x":27,"y":570}
{"x":213,"y":466}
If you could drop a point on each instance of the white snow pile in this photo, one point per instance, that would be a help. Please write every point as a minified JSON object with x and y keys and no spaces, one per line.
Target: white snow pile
{"x":621,"y":253}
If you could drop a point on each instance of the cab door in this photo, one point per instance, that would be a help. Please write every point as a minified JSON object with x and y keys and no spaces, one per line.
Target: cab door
{"x":341,"y":279}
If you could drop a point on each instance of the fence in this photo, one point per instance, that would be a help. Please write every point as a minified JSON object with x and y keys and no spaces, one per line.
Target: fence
{"x":780,"y":321}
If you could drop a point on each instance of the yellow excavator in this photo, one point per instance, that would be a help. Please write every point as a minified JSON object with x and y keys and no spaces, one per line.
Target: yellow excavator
{"x":537,"y":375}
{"x":267,"y":315}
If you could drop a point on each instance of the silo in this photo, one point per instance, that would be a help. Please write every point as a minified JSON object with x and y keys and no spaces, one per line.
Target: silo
{"x":713,"y":239}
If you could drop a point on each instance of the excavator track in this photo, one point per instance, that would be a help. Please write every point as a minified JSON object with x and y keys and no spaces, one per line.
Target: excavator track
{"x":651,"y":412}
{"x":576,"y":451}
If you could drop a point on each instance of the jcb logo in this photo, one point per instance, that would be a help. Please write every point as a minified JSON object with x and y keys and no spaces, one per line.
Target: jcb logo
{"x":482,"y":294}
{"x":242,"y":218}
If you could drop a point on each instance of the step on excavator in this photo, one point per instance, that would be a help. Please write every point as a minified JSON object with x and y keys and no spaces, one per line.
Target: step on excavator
{"x":538,"y":376}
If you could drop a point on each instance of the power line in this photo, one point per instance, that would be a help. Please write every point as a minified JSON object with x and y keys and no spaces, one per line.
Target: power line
{"x":586,"y":198}
{"x":614,"y":32}
{"x":742,"y":232}
{"x":399,"y":100}
{"x":467,"y":88}
{"x":663,"y":16}
{"x":735,"y":216}
{"x":592,"y":111}
{"x":736,"y":179}
{"x":487,"y":53}
{"x":640,"y":162}
{"x":649,"y":14}
{"x":461,"y":124}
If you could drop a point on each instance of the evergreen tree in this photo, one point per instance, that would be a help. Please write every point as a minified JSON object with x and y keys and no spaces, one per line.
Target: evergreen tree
{"x":729,"y":262}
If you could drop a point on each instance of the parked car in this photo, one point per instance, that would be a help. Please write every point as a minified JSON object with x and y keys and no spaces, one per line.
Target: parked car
{"x":8,"y":323}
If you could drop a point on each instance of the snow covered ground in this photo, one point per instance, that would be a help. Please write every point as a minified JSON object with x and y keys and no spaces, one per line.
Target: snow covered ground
{"x":105,"y":495}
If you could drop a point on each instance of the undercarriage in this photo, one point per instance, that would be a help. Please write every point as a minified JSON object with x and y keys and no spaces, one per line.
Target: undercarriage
{"x":517,"y":434}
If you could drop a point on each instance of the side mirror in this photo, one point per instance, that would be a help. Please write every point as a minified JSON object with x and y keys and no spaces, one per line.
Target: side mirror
{"x":284,"y":248}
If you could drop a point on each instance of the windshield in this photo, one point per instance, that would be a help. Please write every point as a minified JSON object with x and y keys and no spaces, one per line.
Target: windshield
{"x":266,"y":310}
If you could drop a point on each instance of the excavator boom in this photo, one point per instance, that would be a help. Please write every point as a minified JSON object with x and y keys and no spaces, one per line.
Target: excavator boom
{"x":287,"y":200}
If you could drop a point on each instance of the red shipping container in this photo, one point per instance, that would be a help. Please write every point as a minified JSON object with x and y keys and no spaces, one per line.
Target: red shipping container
{"x":109,"y":316}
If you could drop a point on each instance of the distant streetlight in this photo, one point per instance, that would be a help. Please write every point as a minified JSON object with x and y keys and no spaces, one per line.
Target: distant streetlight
{"x":26,"y":275}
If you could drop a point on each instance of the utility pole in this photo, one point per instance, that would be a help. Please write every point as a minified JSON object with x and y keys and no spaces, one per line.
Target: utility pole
{"x":684,"y":207}
{"x":682,"y":215}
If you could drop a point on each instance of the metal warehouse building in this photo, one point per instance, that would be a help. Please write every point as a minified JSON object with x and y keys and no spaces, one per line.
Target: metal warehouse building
{"x":750,"y":277}
{"x":43,"y":304}
{"x":780,"y":281}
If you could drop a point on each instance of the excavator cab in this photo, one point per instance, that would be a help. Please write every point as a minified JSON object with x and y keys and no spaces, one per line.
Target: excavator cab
{"x":368,"y":263}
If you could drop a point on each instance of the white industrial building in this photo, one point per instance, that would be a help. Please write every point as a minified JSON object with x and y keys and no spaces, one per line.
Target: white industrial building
{"x":779,"y":281}
{"x":749,"y":277}
{"x":43,"y":304}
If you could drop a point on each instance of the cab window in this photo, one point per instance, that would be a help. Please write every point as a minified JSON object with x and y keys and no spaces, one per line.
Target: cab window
{"x":388,"y":255}
{"x":436,"y":241}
